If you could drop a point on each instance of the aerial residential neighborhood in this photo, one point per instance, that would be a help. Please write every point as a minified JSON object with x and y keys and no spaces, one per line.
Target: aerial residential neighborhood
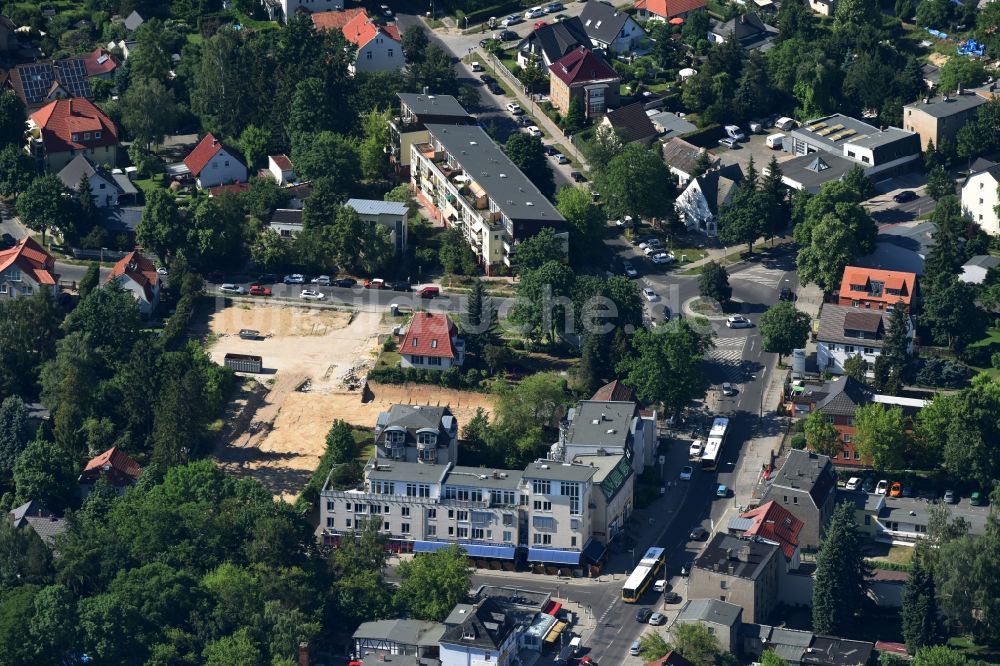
{"x":481,"y":333}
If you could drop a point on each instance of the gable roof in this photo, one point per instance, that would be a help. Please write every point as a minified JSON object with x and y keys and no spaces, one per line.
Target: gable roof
{"x":742,"y":27}
{"x":775,"y":523}
{"x":672,"y":658}
{"x":631,"y":122}
{"x":31,"y":258}
{"x":683,"y":156}
{"x":281,"y":161}
{"x":669,"y":8}
{"x":79,"y":167}
{"x":99,"y":62}
{"x":809,"y":471}
{"x":844,"y":396}
{"x":378,"y":207}
{"x":863,"y":277}
{"x":37,"y":516}
{"x":486,"y":627}
{"x":360,"y":30}
{"x":337,"y":19}
{"x":114,"y":465}
{"x":602,"y":21}
{"x":614,"y":391}
{"x":554,"y":40}
{"x":59,"y":120}
{"x":202,"y":154}
{"x":834,"y":320}
{"x":582,"y":65}
{"x":429,"y":334}
{"x":716,"y":185}
{"x":133,"y":20}
{"x":140,"y":270}
{"x":32,"y":82}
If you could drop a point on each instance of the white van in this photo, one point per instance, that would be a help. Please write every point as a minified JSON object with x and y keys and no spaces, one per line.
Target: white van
{"x":784,"y":123}
{"x":735,"y":133}
{"x":775,"y":141}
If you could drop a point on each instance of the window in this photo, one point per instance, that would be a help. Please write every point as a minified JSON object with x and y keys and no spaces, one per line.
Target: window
{"x":390,"y":53}
{"x":97,"y":135}
{"x":101,"y":186}
{"x":347,"y":506}
{"x":506,"y":535}
{"x":417,"y":360}
{"x":433,"y":360}
{"x":451,"y":514}
{"x":403,"y":528}
{"x":76,"y":137}
{"x":722,"y":584}
{"x":3,"y":288}
{"x":868,"y":519}
{"x":385,"y":526}
{"x":478,"y":533}
{"x":572,"y":542}
{"x":405,"y":512}
{"x":331,"y":505}
{"x":463,"y":516}
{"x":869,"y":350}
{"x":329,"y":521}
{"x":376,"y":509}
{"x":847,"y":455}
{"x":423,"y":490}
{"x":571,"y":490}
{"x":541,"y":487}
{"x":847,"y":438}
{"x":86,"y":136}
{"x":786,"y":499}
{"x":227,"y":162}
{"x":849,"y":349}
{"x":857,"y":456}
{"x":463,"y":532}
{"x":432,"y":530}
{"x":348,"y":522}
{"x":451,"y":531}
{"x":368,"y":55}
{"x":14,"y":275}
{"x":795,"y":500}
{"x":427,"y":455}
{"x":866,"y":159}
{"x":432,"y":514}
{"x":543,"y":539}
{"x":541,"y":505}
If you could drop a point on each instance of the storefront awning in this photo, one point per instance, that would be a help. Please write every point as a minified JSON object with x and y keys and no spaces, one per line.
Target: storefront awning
{"x":594,"y":550}
{"x":473,"y":549}
{"x":554,"y":556}
{"x":554,"y":632}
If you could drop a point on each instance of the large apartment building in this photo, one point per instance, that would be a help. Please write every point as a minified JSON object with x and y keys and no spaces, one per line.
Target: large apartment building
{"x":467,"y":182}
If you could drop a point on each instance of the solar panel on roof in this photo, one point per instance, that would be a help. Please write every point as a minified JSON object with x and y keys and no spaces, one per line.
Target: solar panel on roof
{"x":824,"y":132}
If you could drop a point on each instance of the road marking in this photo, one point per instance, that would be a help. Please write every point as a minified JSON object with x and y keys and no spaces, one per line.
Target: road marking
{"x":727,"y":353}
{"x":768,"y":277}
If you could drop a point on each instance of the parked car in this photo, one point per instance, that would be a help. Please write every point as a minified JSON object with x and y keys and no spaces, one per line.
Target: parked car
{"x":662,"y":257}
{"x":539,"y":24}
{"x":907,"y":490}
{"x":553,"y":7}
{"x":950,"y":497}
{"x":549,"y":150}
{"x":400,"y":285}
{"x":686,"y":472}
{"x":698,"y":534}
{"x":295,"y":278}
{"x":476,"y":66}
{"x":722,"y":490}
{"x":346,"y":283}
{"x":250,"y":334}
{"x":868,"y":485}
{"x":561,"y":159}
{"x":495,"y":89}
{"x":642,"y":615}
{"x":735,"y":133}
{"x":532,"y":129}
{"x":853,"y":483}
{"x":534,"y":12}
{"x":484,"y":44}
{"x":904,"y":196}
{"x":507,"y":36}
{"x":656,"y":619}
{"x":728,"y":389}
{"x":266,"y":278}
{"x":630,"y":271}
{"x":7,"y":241}
{"x":738,"y":321}
{"x":882,"y":486}
{"x":729,"y":142}
{"x":321,"y":280}
{"x":487,"y":79}
{"x":523,"y":121}
{"x":650,"y":243}
{"x":977,"y":499}
{"x":229,"y":288}
{"x":513,"y":19}
{"x":696,"y":449}
{"x":514,"y":108}
{"x":259,"y":290}
{"x":635,"y":648}
{"x":577,"y":176}
{"x":660,"y":585}
{"x":649,"y":294}
{"x":429,"y":292}
{"x":375,"y":283}
{"x":786,"y":295}
{"x":311,"y":295}
{"x":671,"y":598}
{"x":896,"y":489}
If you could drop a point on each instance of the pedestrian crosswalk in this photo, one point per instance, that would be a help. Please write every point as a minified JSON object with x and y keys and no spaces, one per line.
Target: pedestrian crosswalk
{"x":768,"y":277}
{"x":727,"y":357}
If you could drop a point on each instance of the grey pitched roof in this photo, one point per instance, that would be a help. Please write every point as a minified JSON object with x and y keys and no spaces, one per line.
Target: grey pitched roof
{"x":124,"y":184}
{"x":743,"y":27}
{"x":835,"y":319}
{"x":683,"y":156}
{"x":710,"y":610}
{"x":413,"y":417}
{"x":37,"y":516}
{"x":554,"y":40}
{"x":487,"y":627}
{"x":79,"y":167}
{"x":287,"y":216}
{"x":844,"y":396}
{"x":405,"y":632}
{"x":378,"y":207}
{"x":717,"y":183}
{"x":550,"y":469}
{"x":671,"y":125}
{"x":602,"y":21}
{"x":598,"y":422}
{"x":983,"y":261}
{"x":631,"y":122}
{"x":747,"y":557}
{"x":860,"y":499}
{"x":133,"y":21}
{"x":811,"y":171}
{"x":808,"y":471}
{"x":120,"y":219}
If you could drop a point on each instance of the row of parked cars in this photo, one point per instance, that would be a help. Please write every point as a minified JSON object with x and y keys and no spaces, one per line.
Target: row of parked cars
{"x":533,"y":13}
{"x":905,"y":489}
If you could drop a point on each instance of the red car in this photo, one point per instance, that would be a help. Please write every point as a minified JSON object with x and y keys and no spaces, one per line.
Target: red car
{"x":429,"y":292}
{"x":540,"y":24}
{"x":376,"y":283}
{"x":259,"y":290}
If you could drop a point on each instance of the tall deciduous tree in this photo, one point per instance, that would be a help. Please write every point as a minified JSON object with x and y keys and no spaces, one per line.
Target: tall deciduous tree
{"x":821,"y":436}
{"x":149,"y":111}
{"x":636,"y":182}
{"x":13,"y":432}
{"x":856,"y":367}
{"x":666,"y":367}
{"x":434,"y":582}
{"x":374,"y":146}
{"x":921,"y":626}
{"x":17,"y":170}
{"x":652,"y":646}
{"x":12,"y":120}
{"x":714,"y":283}
{"x":586,"y":224}
{"x":46,"y":203}
{"x":880,"y":435}
{"x":161,"y":228}
{"x":254,"y":142}
{"x":783,"y":328}
{"x":696,"y":643}
{"x":528,"y":155}
{"x":543,"y":306}
{"x":44,"y":472}
{"x":939,"y":183}
{"x":840,"y":584}
{"x":340,"y":444}
{"x":90,"y":280}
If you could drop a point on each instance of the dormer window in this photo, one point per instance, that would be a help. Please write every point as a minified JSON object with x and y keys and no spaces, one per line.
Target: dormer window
{"x":86,"y":136}
{"x":76,"y":137}
{"x":97,"y":135}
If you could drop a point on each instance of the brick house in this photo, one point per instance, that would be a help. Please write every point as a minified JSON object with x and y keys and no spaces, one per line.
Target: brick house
{"x":583,"y":75}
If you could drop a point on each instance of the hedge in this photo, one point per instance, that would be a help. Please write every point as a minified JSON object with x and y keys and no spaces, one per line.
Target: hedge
{"x":499,"y":10}
{"x":706,"y":137}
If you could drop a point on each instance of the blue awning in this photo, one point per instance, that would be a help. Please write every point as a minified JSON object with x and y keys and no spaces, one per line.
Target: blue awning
{"x":472,"y":549}
{"x":594,"y":550}
{"x":554,"y":556}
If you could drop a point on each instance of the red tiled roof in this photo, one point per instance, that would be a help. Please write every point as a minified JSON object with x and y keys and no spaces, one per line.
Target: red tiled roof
{"x":670,"y":659}
{"x":429,"y":334}
{"x":206,"y":149}
{"x":614,"y":391}
{"x":669,"y":8}
{"x":235,"y":188}
{"x":336,"y":20}
{"x":32,"y":259}
{"x":282,"y":161}
{"x":114,"y":465}
{"x":360,"y":30}
{"x":856,"y":275}
{"x":581,"y":65}
{"x":138,"y":268}
{"x":775,"y":523}
{"x":58,"y":121}
{"x":96,"y":66}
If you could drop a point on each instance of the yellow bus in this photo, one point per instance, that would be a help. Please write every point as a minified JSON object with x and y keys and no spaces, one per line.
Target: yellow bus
{"x":643,"y":575}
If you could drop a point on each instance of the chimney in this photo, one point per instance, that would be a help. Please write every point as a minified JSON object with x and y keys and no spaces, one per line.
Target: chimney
{"x":731,"y":569}
{"x":303,"y":654}
{"x":744,"y":554}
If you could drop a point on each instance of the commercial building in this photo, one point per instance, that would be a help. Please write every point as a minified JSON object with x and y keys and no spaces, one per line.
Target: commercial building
{"x":467,"y":181}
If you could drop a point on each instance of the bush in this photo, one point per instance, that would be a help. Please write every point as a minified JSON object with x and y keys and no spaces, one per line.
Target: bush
{"x":944,"y":373}
{"x":95,"y":239}
{"x":451,"y":378}
{"x":799,"y":441}
{"x":517,"y":344}
{"x":389,"y":345}
{"x":995,"y":360}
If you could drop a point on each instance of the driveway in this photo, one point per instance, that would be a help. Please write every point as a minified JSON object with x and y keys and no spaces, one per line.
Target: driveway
{"x":886,"y":211}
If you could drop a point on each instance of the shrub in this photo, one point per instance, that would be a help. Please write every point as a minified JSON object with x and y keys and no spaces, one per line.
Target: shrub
{"x":944,"y":373}
{"x":517,"y":344}
{"x":450,"y":378}
{"x":799,"y":441}
{"x":389,"y":345}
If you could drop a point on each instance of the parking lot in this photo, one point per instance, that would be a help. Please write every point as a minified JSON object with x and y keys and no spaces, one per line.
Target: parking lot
{"x":754,"y":147}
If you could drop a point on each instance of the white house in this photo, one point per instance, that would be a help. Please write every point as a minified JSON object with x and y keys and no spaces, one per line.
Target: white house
{"x":137,"y":274}
{"x":487,"y":636}
{"x":212,"y":164}
{"x":380,"y":47}
{"x":280,"y":168}
{"x":289,"y":7}
{"x":431,"y":342}
{"x":103,"y":187}
{"x":611,"y":29}
{"x":846,"y":331}
{"x":974,"y":271}
{"x":389,"y":214}
{"x":980,"y":197}
{"x":700,"y":202}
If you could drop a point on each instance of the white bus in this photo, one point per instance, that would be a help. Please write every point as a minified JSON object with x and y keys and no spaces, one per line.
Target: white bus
{"x":713,"y":447}
{"x":643,"y":575}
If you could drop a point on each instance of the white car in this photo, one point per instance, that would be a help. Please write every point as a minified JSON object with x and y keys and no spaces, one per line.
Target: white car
{"x":649,"y":294}
{"x":660,"y":585}
{"x":322,"y":279}
{"x":853,"y":483}
{"x":295,"y":278}
{"x":312,"y":295}
{"x":652,"y":243}
{"x":561,"y":159}
{"x":662,"y":257}
{"x":738,"y":321}
{"x":534,"y":12}
{"x":533,"y":130}
{"x":515,"y":108}
{"x":630,"y":271}
{"x":162,"y":270}
{"x":228,"y":288}
{"x":656,"y":619}
{"x":734,"y":132}
{"x":686,"y":472}
{"x":697,"y":448}
{"x":882,"y":486}
{"x":513,"y":19}
{"x":728,"y":142}
{"x":476,"y":66}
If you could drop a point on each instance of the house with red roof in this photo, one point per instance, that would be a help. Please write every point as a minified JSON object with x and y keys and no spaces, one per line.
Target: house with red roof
{"x":432,"y":343}
{"x":115,"y":466}
{"x":137,"y":274}
{"x":280,"y":168}
{"x":874,"y":289}
{"x":211,"y":164}
{"x":774,"y":524}
{"x":586,"y":77}
{"x":336,"y":19}
{"x":26,"y":268}
{"x":65,"y":128}
{"x":100,"y":64}
{"x":663,"y":10}
{"x":380,"y":47}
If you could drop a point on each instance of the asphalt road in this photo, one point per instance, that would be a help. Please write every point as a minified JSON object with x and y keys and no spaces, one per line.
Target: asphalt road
{"x":67,"y":272}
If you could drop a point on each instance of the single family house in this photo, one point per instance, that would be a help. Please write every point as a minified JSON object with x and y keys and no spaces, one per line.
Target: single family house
{"x":980,"y":195}
{"x":137,"y":274}
{"x":611,"y":29}
{"x":25,"y":268}
{"x":431,"y":342}
{"x":65,"y":128}
{"x":701,"y":201}
{"x":586,"y":77}
{"x":103,"y":187}
{"x":211,"y":164}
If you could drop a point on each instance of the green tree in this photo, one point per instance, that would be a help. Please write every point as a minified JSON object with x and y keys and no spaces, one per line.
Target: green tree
{"x":920,"y":611}
{"x":29,"y":329}
{"x":743,"y":219}
{"x":951,"y":312}
{"x":53,"y":626}
{"x":12,"y":120}
{"x":542,"y":299}
{"x":830,"y":247}
{"x":90,"y":280}
{"x":771,"y":658}
{"x":854,"y":14}
{"x":455,"y":254}
{"x":666,"y":367}
{"x":783,"y":328}
{"x":537,"y":399}
{"x":479,"y":326}
{"x":636,"y":182}
{"x":586,"y":224}
{"x":880,"y":436}
{"x":340,"y":444}
{"x":536,"y":251}
{"x":373,"y":148}
{"x":45,"y":473}
{"x":46,"y":204}
{"x":86,"y":208}
{"x":965,"y":72}
{"x":468,"y":97}
{"x":775,"y":195}
{"x":415,"y":42}
{"x":575,"y":119}
{"x":652,"y":646}
{"x":254,"y":142}
{"x":840,"y":583}
{"x":713,"y":283}
{"x":821,"y":436}
{"x":702,"y":164}
{"x":856,"y":367}
{"x":434,"y":72}
{"x":904,"y":10}
{"x":329,"y":156}
{"x":13,"y":432}
{"x":161,"y":228}
{"x":696,"y":643}
{"x":269,"y":250}
{"x":17,"y":170}
{"x":433,"y":583}
{"x":148,"y":111}
{"x":528,"y":155}
{"x":238,"y":648}
{"x":939,"y":183}
{"x":939,"y":656}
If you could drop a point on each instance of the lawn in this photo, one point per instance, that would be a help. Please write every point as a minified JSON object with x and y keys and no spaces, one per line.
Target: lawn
{"x":388,"y":359}
{"x":147,"y":185}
